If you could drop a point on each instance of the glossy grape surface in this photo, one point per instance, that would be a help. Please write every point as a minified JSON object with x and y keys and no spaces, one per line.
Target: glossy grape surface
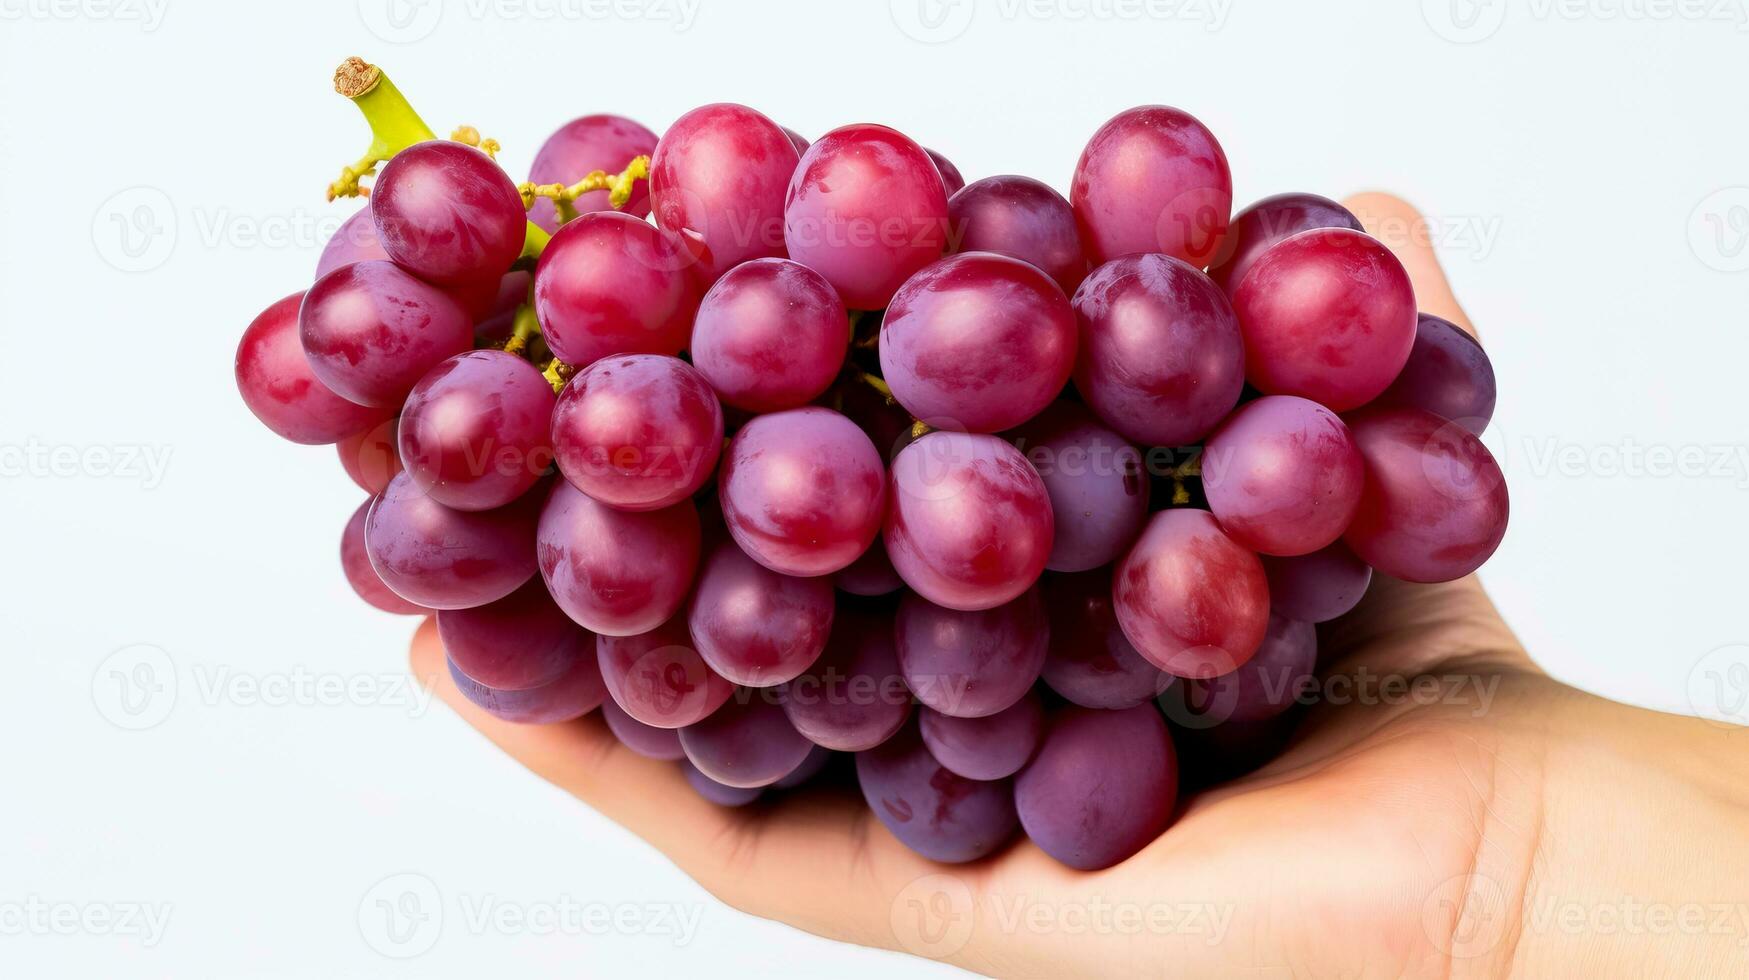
{"x":1090,"y":661}
{"x":522,"y":641}
{"x":1022,"y":218}
{"x":1153,"y":179}
{"x":354,"y":241}
{"x":443,"y":558}
{"x":448,"y":213}
{"x":715,"y":792}
{"x":574,"y":694}
{"x":853,"y":697}
{"x":1447,"y":374}
{"x":371,"y":331}
{"x":754,"y":626}
{"x":638,"y":431}
{"x":1272,"y":220}
{"x":662,"y":744}
{"x":277,"y":383}
{"x":584,"y":145}
{"x":1099,"y":494}
{"x":771,"y":334}
{"x":659,"y":678}
{"x":355,"y":563}
{"x":609,"y":283}
{"x":474,"y":430}
{"x":951,"y":181}
{"x":372,"y":457}
{"x":616,"y":572}
{"x":1282,"y":475}
{"x":940,"y":815}
{"x":1317,"y":587}
{"x":719,"y":177}
{"x":746,"y":743}
{"x":971,"y":664}
{"x":1269,"y":683}
{"x":993,"y":747}
{"x":1194,"y":602}
{"x":1090,"y":804}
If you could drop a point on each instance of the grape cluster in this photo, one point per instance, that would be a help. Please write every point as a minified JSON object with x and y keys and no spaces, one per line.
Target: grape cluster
{"x":801,"y":449}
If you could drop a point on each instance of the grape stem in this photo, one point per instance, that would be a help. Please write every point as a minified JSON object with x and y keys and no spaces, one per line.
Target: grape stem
{"x":557,"y":373}
{"x":878,"y":384}
{"x":1181,"y":474}
{"x":527,"y":325}
{"x":619,"y":187}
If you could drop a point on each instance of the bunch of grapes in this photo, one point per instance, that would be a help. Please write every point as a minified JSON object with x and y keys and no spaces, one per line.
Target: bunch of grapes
{"x":774,"y":451}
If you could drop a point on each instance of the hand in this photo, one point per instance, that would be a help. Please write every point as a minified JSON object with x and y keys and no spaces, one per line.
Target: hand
{"x":1393,"y":837}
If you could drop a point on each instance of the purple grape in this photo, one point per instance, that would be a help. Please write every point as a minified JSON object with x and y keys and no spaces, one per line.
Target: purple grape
{"x":1153,"y":179}
{"x":745,"y":743}
{"x":1099,"y":494}
{"x":754,"y":626}
{"x":662,"y":744}
{"x":770,"y":335}
{"x":715,"y":792}
{"x":1192,"y":600}
{"x":951,"y":181}
{"x":870,"y":575}
{"x":581,"y":147}
{"x":659,"y":678}
{"x":609,"y":283}
{"x":448,"y":213}
{"x":853,"y":697}
{"x":939,"y":815}
{"x":718,"y":177}
{"x":796,"y":139}
{"x":371,"y":331}
{"x":474,"y":431}
{"x":971,"y":664}
{"x":449,"y":559}
{"x":803,"y":774}
{"x":1101,"y":787}
{"x":1317,"y":587}
{"x":1091,"y":662}
{"x":277,"y":384}
{"x":1272,"y":220}
{"x":372,"y":457}
{"x":638,"y":431}
{"x":574,"y":694}
{"x":1447,"y":374}
{"x":355,"y":562}
{"x":994,"y":747}
{"x":522,"y":641}
{"x":616,"y":572}
{"x":354,"y":241}
{"x":1282,"y":475}
{"x":1022,"y":218}
{"x":1267,"y":684}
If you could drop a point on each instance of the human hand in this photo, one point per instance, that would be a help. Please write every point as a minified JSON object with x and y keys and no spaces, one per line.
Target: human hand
{"x":1394,"y":836}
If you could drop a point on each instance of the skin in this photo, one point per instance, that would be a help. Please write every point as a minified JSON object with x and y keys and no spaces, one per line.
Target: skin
{"x":1350,"y":855}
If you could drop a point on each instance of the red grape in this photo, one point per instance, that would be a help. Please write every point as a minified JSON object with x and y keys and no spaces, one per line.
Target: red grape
{"x":969,"y":521}
{"x":803,"y":774}
{"x":371,"y":331}
{"x":718,"y":793}
{"x":1193,"y":602}
{"x":951,"y":181}
{"x":1317,"y":587}
{"x":977,"y":341}
{"x":638,"y":432}
{"x":522,"y":641}
{"x":582,"y":146}
{"x":1282,"y":475}
{"x":616,"y":572}
{"x":754,"y":626}
{"x":1271,"y":220}
{"x":442,"y":558}
{"x":1267,"y":684}
{"x":574,"y":694}
{"x":609,"y":283}
{"x":662,"y":744}
{"x":971,"y":664}
{"x":354,"y":241}
{"x":448,"y":213}
{"x":1328,"y":315}
{"x":355,"y":563}
{"x":866,"y":209}
{"x":1099,"y":494}
{"x":853,"y":697}
{"x":796,"y":139}
{"x":718,"y":177}
{"x":1022,"y":218}
{"x":279,"y":387}
{"x":659,"y":678}
{"x":474,"y":432}
{"x":1102,"y":786}
{"x":745,"y":743}
{"x":993,"y":747}
{"x":939,"y":815}
{"x":802,"y":491}
{"x":372,"y":457}
{"x":1447,"y":374}
{"x":1153,"y":179}
{"x":1091,"y":662}
{"x":1435,"y":506}
{"x":771,"y":334}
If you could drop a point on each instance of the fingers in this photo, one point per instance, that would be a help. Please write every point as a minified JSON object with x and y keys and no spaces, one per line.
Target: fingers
{"x":1404,"y":231}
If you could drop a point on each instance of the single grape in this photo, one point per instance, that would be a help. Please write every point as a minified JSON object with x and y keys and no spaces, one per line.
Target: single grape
{"x":715,"y":792}
{"x":1447,"y":374}
{"x":939,"y":815}
{"x":575,"y":693}
{"x":978,"y":342}
{"x":1317,"y":587}
{"x":1193,"y":602}
{"x":616,"y":572}
{"x":866,"y":209}
{"x":638,"y":431}
{"x":659,"y":678}
{"x":582,"y":146}
{"x":796,"y":140}
{"x":279,"y":387}
{"x":354,"y":241}
{"x":355,"y":562}
{"x":803,"y":774}
{"x":745,"y":743}
{"x":1101,"y":787}
{"x":853,"y":697}
{"x":1329,"y":315}
{"x":522,"y":641}
{"x":1091,"y":662}
{"x":372,"y":457}
{"x":661,"y":744}
{"x":1098,"y":491}
{"x":609,"y":283}
{"x":1435,"y":506}
{"x":951,"y":181}
{"x":443,"y":558}
{"x":802,"y":491}
{"x":969,"y":521}
{"x":474,"y":431}
{"x":993,"y":747}
{"x":971,"y":664}
{"x":718,"y":177}
{"x":1153,"y":179}
{"x":755,"y":626}
{"x":1266,"y":685}
{"x":771,"y":334}
{"x":1161,"y":357}
{"x":1272,"y":220}
{"x":1022,"y":218}
{"x":371,"y":331}
{"x":1282,"y":475}
{"x":870,"y":575}
{"x":448,"y":213}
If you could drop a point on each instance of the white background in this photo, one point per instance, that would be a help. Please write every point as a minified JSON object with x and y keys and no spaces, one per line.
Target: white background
{"x":1583,"y":166}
